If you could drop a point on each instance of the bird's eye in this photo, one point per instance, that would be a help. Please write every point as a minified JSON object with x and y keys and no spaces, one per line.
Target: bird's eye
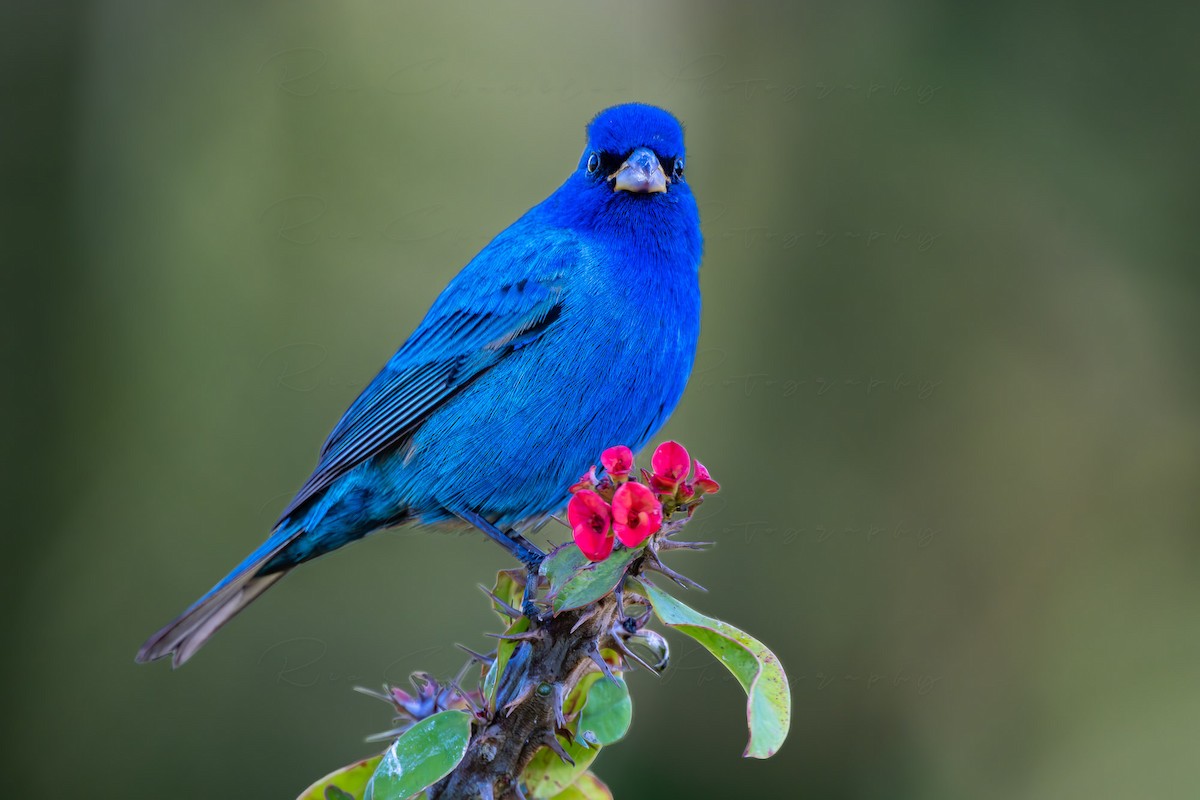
{"x":593,"y":164}
{"x":678,"y":168}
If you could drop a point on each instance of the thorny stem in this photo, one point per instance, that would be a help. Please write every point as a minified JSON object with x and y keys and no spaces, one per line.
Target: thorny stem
{"x":525,"y":719}
{"x":549,"y":661}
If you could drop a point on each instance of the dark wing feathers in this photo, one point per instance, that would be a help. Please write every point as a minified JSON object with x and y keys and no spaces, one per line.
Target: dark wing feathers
{"x":447,"y":352}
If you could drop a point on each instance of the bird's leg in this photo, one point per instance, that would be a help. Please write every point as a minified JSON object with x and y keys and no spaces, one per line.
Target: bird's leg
{"x":522,"y":549}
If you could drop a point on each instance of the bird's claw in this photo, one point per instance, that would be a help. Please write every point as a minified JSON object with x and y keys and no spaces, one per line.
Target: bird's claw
{"x":533,"y":611}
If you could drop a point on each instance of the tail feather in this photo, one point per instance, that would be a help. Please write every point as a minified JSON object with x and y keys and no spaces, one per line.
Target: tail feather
{"x":184,"y":635}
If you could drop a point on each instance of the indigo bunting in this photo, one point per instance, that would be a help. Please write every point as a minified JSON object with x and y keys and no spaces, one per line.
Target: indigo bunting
{"x":573,"y":330}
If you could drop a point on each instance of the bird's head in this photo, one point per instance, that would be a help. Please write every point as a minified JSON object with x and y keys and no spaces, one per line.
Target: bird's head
{"x":636,"y":149}
{"x":631,"y":172}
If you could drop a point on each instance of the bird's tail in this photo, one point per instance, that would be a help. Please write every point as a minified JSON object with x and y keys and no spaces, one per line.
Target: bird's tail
{"x":184,"y":635}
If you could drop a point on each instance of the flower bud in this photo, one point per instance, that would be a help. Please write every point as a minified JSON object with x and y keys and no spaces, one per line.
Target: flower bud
{"x":704,"y":483}
{"x":618,"y":462}
{"x":586,"y":481}
{"x":671,"y":464}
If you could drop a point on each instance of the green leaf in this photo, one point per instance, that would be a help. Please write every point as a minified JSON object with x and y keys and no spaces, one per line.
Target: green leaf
{"x":510,"y":587}
{"x":422,"y":756}
{"x":608,"y":712}
{"x":769,"y":700}
{"x":576,"y":582}
{"x":351,"y":781}
{"x":548,"y":775}
{"x":586,"y":787}
{"x":561,"y":563}
{"x":577,"y":697}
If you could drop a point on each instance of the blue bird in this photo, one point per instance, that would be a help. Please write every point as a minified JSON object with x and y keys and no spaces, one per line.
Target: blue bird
{"x":573,"y":330}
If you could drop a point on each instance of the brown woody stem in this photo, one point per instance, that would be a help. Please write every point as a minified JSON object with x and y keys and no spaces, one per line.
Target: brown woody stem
{"x":528,"y":712}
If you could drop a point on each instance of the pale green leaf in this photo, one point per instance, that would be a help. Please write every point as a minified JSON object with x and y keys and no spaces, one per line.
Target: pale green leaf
{"x":510,"y":587}
{"x":769,"y":700}
{"x":547,"y":775}
{"x":350,"y":780}
{"x":586,"y":787}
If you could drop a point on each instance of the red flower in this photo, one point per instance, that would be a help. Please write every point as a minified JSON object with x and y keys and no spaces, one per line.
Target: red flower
{"x":704,"y":483}
{"x":617,"y":461}
{"x":671,"y":464}
{"x":636,"y":514}
{"x":590,"y":520}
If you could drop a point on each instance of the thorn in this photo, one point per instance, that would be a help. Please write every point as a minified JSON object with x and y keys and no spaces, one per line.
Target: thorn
{"x":462,"y":673}
{"x":624,"y":648}
{"x":559,"y":520}
{"x":466,"y":696}
{"x":584,"y":618}
{"x":658,"y":566}
{"x":517,"y":790}
{"x":593,"y":653}
{"x":377,"y":695}
{"x":671,"y":544}
{"x":521,"y":697}
{"x":386,"y":736}
{"x":508,"y":610}
{"x":421,"y":681}
{"x":527,"y":636}
{"x":656,"y":644}
{"x":480,"y":657}
{"x":551,"y":741}
{"x":635,"y":599}
{"x":560,"y":697}
{"x":674,"y":527}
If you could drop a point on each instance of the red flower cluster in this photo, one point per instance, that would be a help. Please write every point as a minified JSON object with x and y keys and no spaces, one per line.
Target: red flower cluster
{"x":618,"y":507}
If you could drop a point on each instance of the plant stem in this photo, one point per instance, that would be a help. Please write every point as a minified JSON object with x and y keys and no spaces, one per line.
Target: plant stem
{"x":541,"y":673}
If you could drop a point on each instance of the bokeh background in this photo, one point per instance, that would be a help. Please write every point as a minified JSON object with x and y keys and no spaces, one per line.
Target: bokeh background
{"x":947,"y":377}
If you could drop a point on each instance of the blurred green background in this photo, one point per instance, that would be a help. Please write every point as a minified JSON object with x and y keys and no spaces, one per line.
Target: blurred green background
{"x":947,"y":377}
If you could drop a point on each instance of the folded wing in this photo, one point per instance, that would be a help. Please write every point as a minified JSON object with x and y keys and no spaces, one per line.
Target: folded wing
{"x":469,"y":330}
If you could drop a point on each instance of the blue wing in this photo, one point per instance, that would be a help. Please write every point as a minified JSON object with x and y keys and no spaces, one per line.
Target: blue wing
{"x":478,"y":320}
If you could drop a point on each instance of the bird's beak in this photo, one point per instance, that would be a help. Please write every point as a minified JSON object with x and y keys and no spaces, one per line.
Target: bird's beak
{"x":641,"y":173}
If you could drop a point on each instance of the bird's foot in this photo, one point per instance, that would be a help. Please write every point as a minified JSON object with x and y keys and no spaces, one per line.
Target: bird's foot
{"x":528,"y":555}
{"x":524,"y":551}
{"x":532,"y":610}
